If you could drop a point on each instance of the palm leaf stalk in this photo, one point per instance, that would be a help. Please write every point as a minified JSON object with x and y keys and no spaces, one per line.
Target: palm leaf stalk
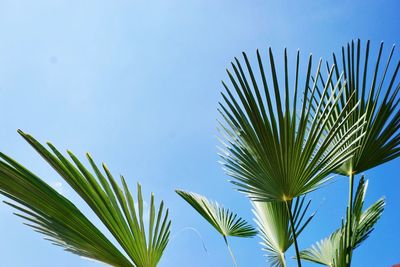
{"x":223,"y":220}
{"x":332,"y":251}
{"x":349,"y":219}
{"x":53,"y":215}
{"x":274,"y":226}
{"x":292,"y":229}
{"x":376,"y":98}
{"x":276,"y":149}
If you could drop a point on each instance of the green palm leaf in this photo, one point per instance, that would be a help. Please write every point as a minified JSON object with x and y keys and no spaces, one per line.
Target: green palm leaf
{"x":277,"y":149}
{"x":274,"y":226}
{"x":54,"y":216}
{"x":50,"y":213}
{"x":364,"y":221}
{"x":331,"y":251}
{"x":223,"y":220}
{"x":376,"y":88}
{"x":375,"y":91}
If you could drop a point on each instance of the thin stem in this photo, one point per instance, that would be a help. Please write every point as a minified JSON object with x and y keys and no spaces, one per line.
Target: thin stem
{"x":230,"y":252}
{"x":349,"y":221}
{"x":289,"y":210}
{"x":195,"y":231}
{"x":283,"y":260}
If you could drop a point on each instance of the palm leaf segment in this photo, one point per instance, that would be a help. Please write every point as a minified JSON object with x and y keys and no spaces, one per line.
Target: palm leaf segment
{"x":56,"y":217}
{"x":276,"y":149}
{"x":223,"y":220}
{"x":53,"y":215}
{"x":274,"y":226}
{"x":376,"y":88}
{"x":331,"y":251}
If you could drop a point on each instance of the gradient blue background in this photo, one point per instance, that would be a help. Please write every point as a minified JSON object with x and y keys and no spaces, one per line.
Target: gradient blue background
{"x":136,"y":83}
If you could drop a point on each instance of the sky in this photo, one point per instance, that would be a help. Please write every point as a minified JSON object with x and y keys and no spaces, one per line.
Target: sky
{"x":136,"y":84}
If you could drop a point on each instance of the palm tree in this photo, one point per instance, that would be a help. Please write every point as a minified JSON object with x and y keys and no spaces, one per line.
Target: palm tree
{"x":223,"y":220}
{"x":375,"y":96}
{"x":275,"y":149}
{"x":282,"y":138}
{"x":63,"y":224}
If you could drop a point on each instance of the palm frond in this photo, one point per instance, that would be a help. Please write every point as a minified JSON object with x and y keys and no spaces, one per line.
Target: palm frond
{"x":274,"y":148}
{"x":223,"y":220}
{"x":375,"y":85}
{"x":328,"y":252}
{"x":113,"y":205}
{"x":364,"y":221}
{"x":51,"y":214}
{"x":331,"y":251}
{"x":274,"y":227}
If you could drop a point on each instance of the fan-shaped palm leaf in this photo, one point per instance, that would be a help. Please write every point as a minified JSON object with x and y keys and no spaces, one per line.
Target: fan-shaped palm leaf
{"x":50,"y":213}
{"x":274,"y":150}
{"x":331,"y":251}
{"x":54,"y":216}
{"x":376,"y":89}
{"x":274,"y":227}
{"x":223,"y":220}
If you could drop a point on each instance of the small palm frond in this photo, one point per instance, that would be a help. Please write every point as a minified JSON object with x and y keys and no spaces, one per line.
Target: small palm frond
{"x":54,"y":216}
{"x":274,"y":227}
{"x":223,"y":220}
{"x":376,"y":89}
{"x":328,"y":252}
{"x":277,"y":149}
{"x":364,"y":221}
{"x":51,"y":214}
{"x":331,"y":251}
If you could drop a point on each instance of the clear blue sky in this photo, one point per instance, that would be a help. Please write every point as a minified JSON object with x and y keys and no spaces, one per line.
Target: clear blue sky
{"x":136,"y":83}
